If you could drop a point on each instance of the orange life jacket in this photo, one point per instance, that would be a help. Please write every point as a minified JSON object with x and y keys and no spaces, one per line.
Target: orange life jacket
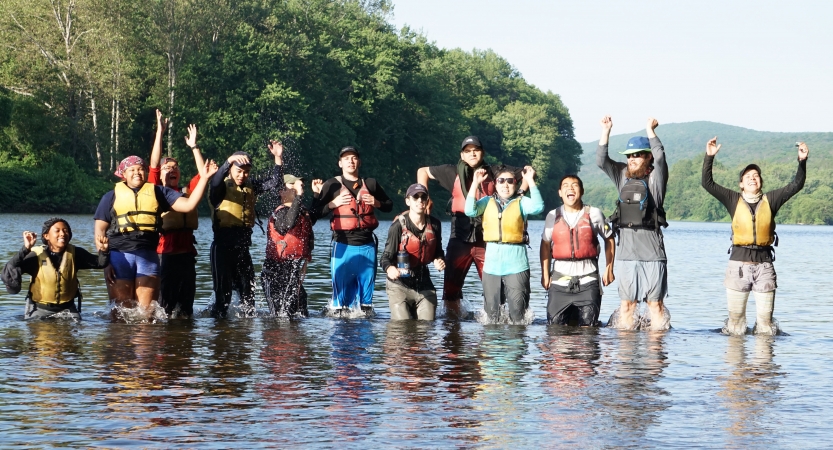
{"x":355,"y":215}
{"x":420,"y":251}
{"x":292,"y":245}
{"x":575,"y":243}
{"x":458,"y":197}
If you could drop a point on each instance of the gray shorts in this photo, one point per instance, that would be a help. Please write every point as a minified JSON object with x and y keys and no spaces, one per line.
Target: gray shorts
{"x":642,"y":280}
{"x":747,"y":277}
{"x":406,"y":303}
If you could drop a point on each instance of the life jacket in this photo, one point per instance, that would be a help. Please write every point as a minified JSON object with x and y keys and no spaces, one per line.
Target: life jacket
{"x":458,"y":197}
{"x":753,"y":228}
{"x":135,"y":211}
{"x":172,"y":220}
{"x":355,"y":215}
{"x":506,"y":225}
{"x":292,"y":245}
{"x":636,"y":207}
{"x":421,"y":251}
{"x":55,"y":285}
{"x":237,"y":208}
{"x":572,"y":244}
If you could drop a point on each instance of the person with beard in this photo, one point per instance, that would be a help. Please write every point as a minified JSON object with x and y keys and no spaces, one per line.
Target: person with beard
{"x":176,"y":249}
{"x":418,"y":237}
{"x":289,"y":244}
{"x":753,"y":236}
{"x":131,"y":217}
{"x":232,"y":195}
{"x":570,"y":257}
{"x":506,"y":265}
{"x":466,"y":244}
{"x":352,"y":200}
{"x":639,"y":216}
{"x":54,"y":270}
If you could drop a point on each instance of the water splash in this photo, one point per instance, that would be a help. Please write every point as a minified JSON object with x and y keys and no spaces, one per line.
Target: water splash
{"x":348,"y":313}
{"x":236,"y":309}
{"x":641,"y":320}
{"x":64,"y":315}
{"x":153,"y":313}
{"x":465,"y":311}
{"x":773,"y":330}
{"x":737,"y":329}
{"x":503,"y":318}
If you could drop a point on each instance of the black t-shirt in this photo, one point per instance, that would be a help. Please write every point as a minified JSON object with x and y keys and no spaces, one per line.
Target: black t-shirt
{"x":462,"y":226}
{"x":331,"y":189}
{"x":422,"y":280}
{"x":135,"y":241}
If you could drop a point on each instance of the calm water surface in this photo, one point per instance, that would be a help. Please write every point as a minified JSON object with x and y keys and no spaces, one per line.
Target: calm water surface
{"x":358,"y":383}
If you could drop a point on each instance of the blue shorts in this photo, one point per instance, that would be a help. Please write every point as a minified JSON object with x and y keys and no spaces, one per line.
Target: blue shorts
{"x":135,"y":264}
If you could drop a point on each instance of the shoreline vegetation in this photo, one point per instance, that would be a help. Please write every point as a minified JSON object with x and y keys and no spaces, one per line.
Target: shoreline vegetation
{"x":78,"y":94}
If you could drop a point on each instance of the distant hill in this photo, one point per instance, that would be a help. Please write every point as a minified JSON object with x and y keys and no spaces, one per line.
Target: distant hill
{"x":685,"y":145}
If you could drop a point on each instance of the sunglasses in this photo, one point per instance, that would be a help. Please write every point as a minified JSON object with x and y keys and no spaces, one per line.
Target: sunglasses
{"x":505,"y":180}
{"x":638,"y":155}
{"x":422,"y":197}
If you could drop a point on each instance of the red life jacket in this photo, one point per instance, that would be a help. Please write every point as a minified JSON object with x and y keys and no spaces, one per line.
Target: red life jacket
{"x":576,"y":243}
{"x":292,"y":245}
{"x":420,"y":251}
{"x":458,"y":197}
{"x":355,"y":215}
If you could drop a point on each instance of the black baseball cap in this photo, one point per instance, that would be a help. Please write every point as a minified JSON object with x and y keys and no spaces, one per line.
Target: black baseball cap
{"x":348,"y":149}
{"x":471,"y":140}
{"x":748,"y":168}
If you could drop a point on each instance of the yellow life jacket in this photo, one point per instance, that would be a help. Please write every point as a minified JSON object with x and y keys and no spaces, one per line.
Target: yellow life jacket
{"x":135,"y":211}
{"x":173,"y":220}
{"x":54,"y":285}
{"x":756,"y":228}
{"x":505,"y":226}
{"x":237,"y":208}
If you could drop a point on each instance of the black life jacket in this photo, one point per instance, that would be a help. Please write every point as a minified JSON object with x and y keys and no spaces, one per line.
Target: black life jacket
{"x":636,"y":207}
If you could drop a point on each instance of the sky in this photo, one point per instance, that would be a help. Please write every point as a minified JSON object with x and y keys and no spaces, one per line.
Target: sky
{"x":765,"y":65}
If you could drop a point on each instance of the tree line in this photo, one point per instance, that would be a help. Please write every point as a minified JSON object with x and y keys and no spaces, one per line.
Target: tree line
{"x":80,"y":80}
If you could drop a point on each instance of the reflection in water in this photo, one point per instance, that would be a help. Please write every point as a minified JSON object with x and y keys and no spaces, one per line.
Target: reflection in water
{"x":412,"y":365}
{"x":350,"y":384}
{"x":288,"y":356}
{"x":749,"y":391}
{"x":632,"y":397}
{"x":460,"y":363}
{"x":229,"y":370}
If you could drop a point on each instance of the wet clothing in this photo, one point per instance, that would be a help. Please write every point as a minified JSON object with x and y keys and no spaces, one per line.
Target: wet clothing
{"x":505,"y":259}
{"x":745,"y":277}
{"x":459,"y":257}
{"x":27,"y":261}
{"x":421,"y":274}
{"x":138,"y":263}
{"x":353,"y":269}
{"x":639,"y":244}
{"x":283,"y":270}
{"x":231,"y":262}
{"x":332,"y":189}
{"x":283,"y":287}
{"x":178,"y":240}
{"x":642,"y":280}
{"x":353,"y":258}
{"x":512,"y":289}
{"x":575,"y":293}
{"x":177,"y":283}
{"x":730,"y":199}
{"x":409,"y":303}
{"x":414,"y":296}
{"x":129,"y":242}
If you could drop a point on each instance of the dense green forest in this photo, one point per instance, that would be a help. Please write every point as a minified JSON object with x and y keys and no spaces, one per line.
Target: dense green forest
{"x":80,"y":80}
{"x":685,"y":145}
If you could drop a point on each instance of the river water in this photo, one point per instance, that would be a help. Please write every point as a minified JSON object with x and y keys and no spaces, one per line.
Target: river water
{"x":370,"y":382}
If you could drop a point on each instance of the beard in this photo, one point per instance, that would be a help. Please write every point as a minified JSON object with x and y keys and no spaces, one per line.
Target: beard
{"x":642,"y":171}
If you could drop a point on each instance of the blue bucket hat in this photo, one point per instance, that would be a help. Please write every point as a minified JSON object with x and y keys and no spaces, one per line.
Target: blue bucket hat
{"x":637,"y":144}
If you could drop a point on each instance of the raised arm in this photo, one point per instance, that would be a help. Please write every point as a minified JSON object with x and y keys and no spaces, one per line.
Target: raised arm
{"x":187,"y":204}
{"x":156,"y":152}
{"x":191,"y":142}
{"x":725,"y":195}
{"x":778,"y":197}
{"x":471,"y":202}
{"x":610,"y":167}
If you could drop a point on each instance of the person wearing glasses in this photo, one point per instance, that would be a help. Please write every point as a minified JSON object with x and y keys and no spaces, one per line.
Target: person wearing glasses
{"x":414,"y":241}
{"x":639,"y":216}
{"x":465,"y":244}
{"x":506,"y":266}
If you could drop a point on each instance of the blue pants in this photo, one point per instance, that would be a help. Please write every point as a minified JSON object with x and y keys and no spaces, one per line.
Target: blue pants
{"x":353,"y":269}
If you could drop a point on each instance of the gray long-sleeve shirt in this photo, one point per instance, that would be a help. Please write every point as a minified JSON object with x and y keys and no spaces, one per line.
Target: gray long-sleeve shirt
{"x":639,"y":244}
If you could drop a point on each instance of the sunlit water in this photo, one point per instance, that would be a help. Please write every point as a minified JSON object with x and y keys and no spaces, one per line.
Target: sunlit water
{"x":371,"y":382}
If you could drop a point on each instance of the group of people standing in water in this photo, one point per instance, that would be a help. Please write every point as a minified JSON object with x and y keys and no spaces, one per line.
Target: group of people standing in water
{"x":144,"y":238}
